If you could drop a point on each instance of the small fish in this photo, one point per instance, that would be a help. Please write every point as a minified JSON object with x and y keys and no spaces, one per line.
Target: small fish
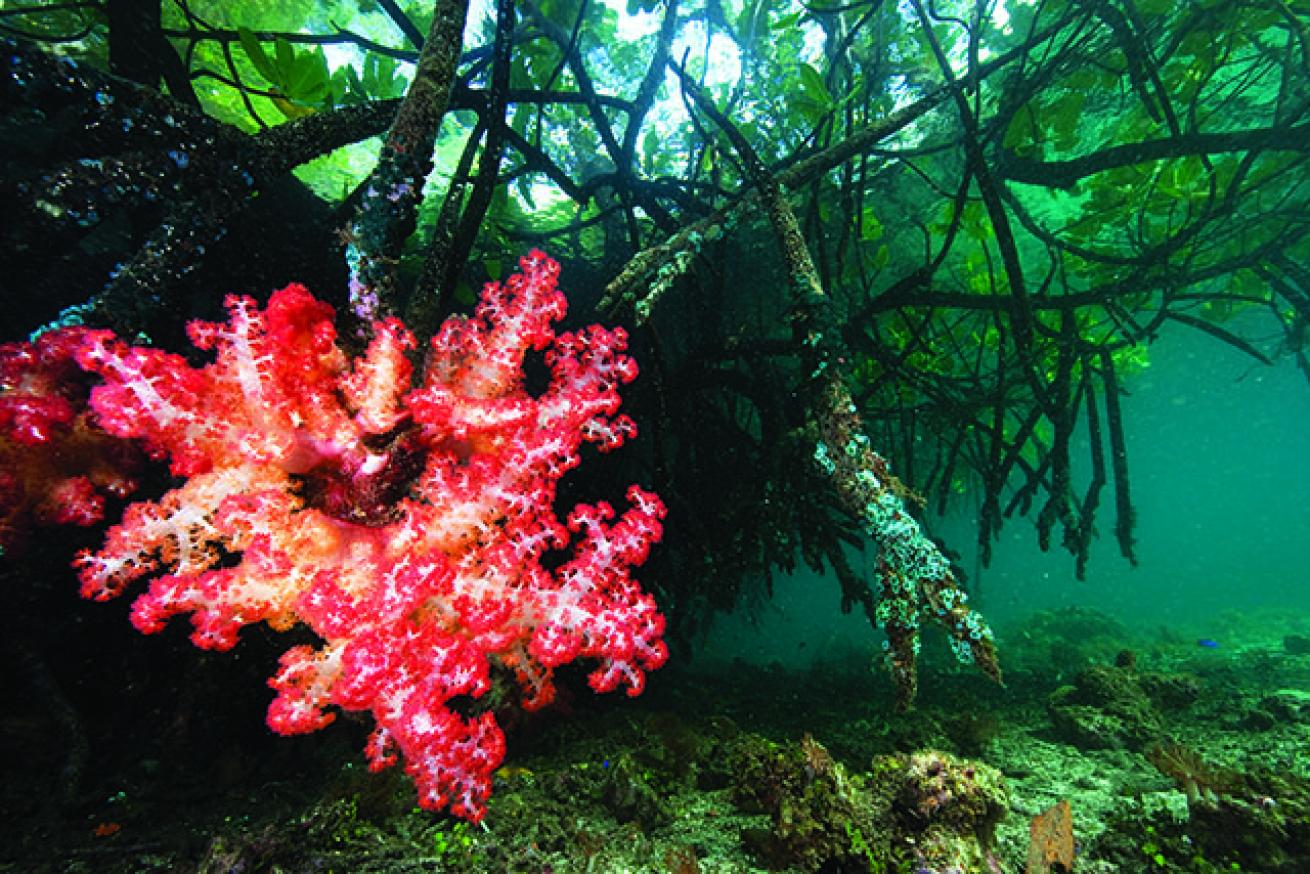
{"x":1208,"y":643}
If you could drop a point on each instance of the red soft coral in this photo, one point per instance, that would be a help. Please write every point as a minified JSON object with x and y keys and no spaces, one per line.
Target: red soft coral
{"x":404,"y":526}
{"x":55,"y":468}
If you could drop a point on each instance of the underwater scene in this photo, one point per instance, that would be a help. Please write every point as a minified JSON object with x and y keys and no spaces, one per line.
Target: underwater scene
{"x":670,"y":436}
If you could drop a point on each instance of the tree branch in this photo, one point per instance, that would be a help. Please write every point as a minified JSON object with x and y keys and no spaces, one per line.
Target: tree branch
{"x":388,"y":210}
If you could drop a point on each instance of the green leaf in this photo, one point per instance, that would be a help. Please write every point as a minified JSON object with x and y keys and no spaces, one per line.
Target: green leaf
{"x":870,"y":227}
{"x":814,"y":87}
{"x":787,"y":22}
{"x":284,"y":57}
{"x":1063,"y":116}
{"x":882,"y":256}
{"x":254,"y":50}
{"x":381,"y":78}
{"x":356,"y":87}
{"x":307,"y":81}
{"x":524,"y":184}
{"x":650,"y":144}
{"x":809,"y":110}
{"x":1023,"y":136}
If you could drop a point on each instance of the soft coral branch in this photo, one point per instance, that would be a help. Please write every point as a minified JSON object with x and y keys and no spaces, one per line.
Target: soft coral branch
{"x":55,"y":467}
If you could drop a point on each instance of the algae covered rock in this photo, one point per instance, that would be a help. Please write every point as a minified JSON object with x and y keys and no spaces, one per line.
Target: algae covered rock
{"x":945,"y":809}
{"x":822,"y":817}
{"x":1105,"y":708}
{"x":920,"y":811}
